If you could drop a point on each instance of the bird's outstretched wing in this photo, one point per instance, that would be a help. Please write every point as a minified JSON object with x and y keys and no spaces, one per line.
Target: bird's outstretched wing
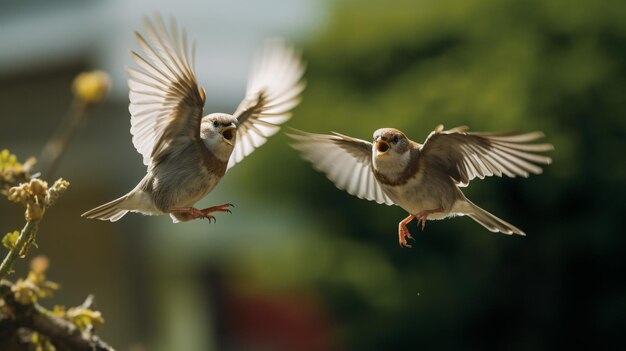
{"x":464,"y":155}
{"x":346,"y":161}
{"x":274,"y":88}
{"x":165,"y":101}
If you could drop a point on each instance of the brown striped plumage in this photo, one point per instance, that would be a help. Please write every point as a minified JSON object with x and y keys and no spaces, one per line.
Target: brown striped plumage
{"x":424,"y":179}
{"x":188,"y":154}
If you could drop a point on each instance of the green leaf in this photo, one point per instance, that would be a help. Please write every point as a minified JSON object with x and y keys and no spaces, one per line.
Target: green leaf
{"x":10,"y":239}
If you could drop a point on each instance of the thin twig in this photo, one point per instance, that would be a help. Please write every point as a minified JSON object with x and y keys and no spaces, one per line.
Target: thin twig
{"x":27,"y":235}
{"x":56,"y":145}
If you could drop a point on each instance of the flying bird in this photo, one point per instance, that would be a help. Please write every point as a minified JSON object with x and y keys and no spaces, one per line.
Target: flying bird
{"x":187,"y":154}
{"x":424,"y":179}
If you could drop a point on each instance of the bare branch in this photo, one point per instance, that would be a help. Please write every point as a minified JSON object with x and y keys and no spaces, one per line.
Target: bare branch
{"x":63,"y":334}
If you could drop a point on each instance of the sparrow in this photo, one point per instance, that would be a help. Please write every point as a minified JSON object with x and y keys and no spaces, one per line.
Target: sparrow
{"x":186,"y":153}
{"x":423,"y":179}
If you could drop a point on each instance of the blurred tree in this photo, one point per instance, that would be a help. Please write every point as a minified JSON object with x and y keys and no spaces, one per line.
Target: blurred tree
{"x":555,"y":66}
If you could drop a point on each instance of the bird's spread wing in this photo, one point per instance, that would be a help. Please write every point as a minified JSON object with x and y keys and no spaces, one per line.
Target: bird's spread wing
{"x":346,"y":161}
{"x":165,"y":101}
{"x":274,"y":88}
{"x":464,"y":155}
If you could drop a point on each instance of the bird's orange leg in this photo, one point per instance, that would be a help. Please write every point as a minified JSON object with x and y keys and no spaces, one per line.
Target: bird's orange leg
{"x":403,"y":231}
{"x":189,"y":213}
{"x":423,"y":215}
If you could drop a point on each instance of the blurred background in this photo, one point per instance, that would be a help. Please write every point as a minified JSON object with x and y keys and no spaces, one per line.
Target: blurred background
{"x":301,"y":265}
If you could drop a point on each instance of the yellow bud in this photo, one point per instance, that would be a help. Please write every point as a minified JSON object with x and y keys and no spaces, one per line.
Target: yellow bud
{"x":56,"y":190}
{"x":91,"y":87}
{"x":10,"y":239}
{"x":60,"y":185}
{"x":84,"y":318}
{"x":39,"y":264}
{"x":38,"y":187}
{"x":25,"y":291}
{"x":8,"y":162}
{"x":18,"y":193}
{"x":58,"y":311}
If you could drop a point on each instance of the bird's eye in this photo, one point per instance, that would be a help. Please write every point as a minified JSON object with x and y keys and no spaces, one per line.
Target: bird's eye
{"x":216,"y":124}
{"x":394,"y":139}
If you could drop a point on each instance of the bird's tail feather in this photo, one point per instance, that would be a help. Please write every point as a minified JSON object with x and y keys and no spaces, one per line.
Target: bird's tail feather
{"x":111,"y":211}
{"x":492,"y":222}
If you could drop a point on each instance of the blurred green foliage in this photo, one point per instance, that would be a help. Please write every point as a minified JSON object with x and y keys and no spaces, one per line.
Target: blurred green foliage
{"x":556,"y":66}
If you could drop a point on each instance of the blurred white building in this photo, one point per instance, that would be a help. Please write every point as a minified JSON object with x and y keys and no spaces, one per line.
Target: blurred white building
{"x":39,"y":33}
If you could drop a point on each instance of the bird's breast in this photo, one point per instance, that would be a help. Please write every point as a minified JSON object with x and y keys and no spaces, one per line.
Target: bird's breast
{"x":183,"y":189}
{"x":418,"y":194}
{"x":181,"y":180}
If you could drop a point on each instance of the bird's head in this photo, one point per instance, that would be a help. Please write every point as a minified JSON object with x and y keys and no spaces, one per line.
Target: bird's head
{"x":389,"y":142}
{"x":219,"y":133}
{"x":391,"y":149}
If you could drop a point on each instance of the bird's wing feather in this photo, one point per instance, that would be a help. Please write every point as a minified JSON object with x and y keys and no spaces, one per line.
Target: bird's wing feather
{"x":346,"y":161}
{"x":165,"y":101}
{"x":274,"y":88}
{"x":464,"y":155}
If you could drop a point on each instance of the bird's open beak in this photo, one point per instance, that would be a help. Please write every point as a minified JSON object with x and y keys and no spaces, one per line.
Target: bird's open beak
{"x":229,"y":133}
{"x":382,"y":146}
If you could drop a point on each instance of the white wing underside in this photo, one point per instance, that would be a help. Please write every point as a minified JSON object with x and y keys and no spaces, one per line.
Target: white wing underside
{"x":273,"y":90}
{"x":163,"y":93}
{"x":348,"y":166}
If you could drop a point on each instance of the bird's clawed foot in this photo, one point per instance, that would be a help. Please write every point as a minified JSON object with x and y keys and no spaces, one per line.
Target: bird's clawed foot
{"x":422,"y":216}
{"x":403,"y":231}
{"x":220,"y":208}
{"x":189,"y":213}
